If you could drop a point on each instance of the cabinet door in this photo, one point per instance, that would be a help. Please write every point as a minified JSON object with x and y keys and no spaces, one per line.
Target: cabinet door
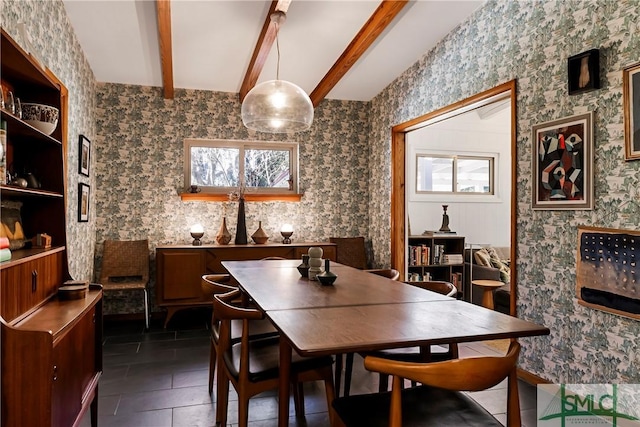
{"x":179,"y":274}
{"x":73,"y":369}
{"x":26,"y":285}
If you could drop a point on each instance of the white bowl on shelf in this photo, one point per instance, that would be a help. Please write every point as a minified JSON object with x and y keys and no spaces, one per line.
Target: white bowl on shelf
{"x":40,"y":116}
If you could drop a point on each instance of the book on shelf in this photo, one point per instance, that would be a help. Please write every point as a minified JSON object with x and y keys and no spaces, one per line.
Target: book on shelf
{"x":419,"y":254}
{"x":453,"y":259}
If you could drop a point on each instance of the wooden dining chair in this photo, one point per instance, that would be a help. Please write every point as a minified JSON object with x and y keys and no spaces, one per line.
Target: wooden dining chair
{"x":440,"y":400}
{"x":434,"y":353}
{"x":389,"y":273}
{"x":252,"y":365}
{"x":259,"y":328}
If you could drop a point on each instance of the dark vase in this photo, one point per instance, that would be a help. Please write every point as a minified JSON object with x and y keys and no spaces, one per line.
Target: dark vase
{"x":303,"y":268}
{"x":241,"y":227}
{"x":327,"y":277}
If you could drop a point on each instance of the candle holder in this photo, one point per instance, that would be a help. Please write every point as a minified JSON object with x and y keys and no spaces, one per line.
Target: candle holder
{"x":286,"y":231}
{"x":197,"y":232}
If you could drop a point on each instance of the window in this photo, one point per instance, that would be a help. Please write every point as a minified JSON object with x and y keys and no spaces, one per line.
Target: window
{"x":218,"y":166}
{"x":454,"y":174}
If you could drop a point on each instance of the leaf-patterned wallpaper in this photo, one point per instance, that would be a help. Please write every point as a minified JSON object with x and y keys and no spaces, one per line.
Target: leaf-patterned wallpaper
{"x":345,"y":158}
{"x":530,"y":41}
{"x":56,"y":46}
{"x":140,"y":170}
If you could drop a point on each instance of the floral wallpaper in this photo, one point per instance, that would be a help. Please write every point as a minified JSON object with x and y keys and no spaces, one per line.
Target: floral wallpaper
{"x":139,"y":171}
{"x":531,"y":41}
{"x":345,"y":158}
{"x":56,"y":47}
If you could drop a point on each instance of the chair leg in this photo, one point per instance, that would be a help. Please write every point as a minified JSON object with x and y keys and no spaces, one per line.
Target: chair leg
{"x":348,"y":371}
{"x":298,"y":399}
{"x":212,"y":365}
{"x":146,"y":309}
{"x":338,"y":372}
{"x":331,"y":393}
{"x":222,"y":398}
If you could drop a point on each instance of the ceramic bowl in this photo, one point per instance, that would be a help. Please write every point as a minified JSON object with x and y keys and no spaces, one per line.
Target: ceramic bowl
{"x":42,"y":117}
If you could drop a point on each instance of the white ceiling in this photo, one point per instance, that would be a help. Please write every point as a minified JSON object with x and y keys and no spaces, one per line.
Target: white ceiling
{"x":213,"y":41}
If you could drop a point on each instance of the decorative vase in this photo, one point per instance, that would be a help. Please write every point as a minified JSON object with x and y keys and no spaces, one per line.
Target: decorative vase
{"x":327,"y":277}
{"x":223,"y":237}
{"x":315,"y":262}
{"x":241,"y":227}
{"x":260,"y":237}
{"x":303,"y":268}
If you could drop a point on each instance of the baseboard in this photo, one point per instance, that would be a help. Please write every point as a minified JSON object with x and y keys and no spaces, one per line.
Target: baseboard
{"x":530,"y":378}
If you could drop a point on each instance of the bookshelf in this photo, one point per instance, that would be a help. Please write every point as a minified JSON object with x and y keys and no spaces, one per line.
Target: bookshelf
{"x":436,"y":257}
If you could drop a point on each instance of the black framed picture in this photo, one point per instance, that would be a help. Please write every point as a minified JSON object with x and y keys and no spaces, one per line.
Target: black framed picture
{"x":83,"y":202}
{"x":84,"y":157}
{"x":584,"y":72}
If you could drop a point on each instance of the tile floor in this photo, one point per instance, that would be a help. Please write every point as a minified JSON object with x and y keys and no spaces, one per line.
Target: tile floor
{"x":159,"y":378}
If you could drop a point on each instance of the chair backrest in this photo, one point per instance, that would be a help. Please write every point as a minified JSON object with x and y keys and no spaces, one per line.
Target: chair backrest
{"x":441,"y":287}
{"x":125,"y":258}
{"x":468,"y":374}
{"x":210,"y":286}
{"x":350,"y":251}
{"x":389,"y":273}
{"x":273,"y":258}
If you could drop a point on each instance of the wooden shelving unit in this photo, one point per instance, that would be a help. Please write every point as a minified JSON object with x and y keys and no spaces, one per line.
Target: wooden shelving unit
{"x":426,"y":257}
{"x":51,"y":348}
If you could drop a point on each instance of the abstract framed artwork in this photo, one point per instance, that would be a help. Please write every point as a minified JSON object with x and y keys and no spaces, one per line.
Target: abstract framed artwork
{"x":562,"y":164}
{"x":84,"y":155}
{"x":83,"y":202}
{"x":631,"y":100}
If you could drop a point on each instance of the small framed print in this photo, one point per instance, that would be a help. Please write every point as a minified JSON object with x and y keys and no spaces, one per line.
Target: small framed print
{"x":84,"y":158}
{"x":563,"y":164}
{"x":631,"y":93}
{"x":584,"y":72}
{"x":83,"y":202}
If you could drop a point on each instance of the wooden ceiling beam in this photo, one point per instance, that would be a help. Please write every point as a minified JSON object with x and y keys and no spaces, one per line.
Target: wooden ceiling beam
{"x":263,"y":47}
{"x":381,"y":18}
{"x":164,"y":38}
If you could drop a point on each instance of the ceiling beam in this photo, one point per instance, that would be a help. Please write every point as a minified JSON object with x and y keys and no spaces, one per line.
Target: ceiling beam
{"x":381,"y":18}
{"x":164,"y":39}
{"x":263,"y":47}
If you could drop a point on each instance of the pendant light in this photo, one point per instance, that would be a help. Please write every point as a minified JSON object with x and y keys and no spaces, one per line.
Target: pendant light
{"x":277,"y":106}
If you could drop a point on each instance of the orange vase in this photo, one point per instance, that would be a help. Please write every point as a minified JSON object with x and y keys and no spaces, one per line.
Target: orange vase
{"x":223,"y":237}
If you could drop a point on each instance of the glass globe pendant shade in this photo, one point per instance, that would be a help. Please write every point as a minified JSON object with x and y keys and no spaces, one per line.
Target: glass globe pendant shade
{"x":277,"y":106}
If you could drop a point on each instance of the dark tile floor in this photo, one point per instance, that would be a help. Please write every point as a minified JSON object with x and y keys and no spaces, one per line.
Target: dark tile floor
{"x":159,"y":378}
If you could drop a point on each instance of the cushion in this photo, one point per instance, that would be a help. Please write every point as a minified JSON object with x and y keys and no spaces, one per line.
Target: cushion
{"x":482,"y":257}
{"x":496,"y":262}
{"x":11,"y":224}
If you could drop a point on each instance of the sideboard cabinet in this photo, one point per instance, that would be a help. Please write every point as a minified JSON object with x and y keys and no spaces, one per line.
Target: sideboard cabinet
{"x":51,"y":348}
{"x":179,"y":268}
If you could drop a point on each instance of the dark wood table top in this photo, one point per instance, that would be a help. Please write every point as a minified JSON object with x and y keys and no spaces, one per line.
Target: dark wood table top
{"x":275,"y":286}
{"x":332,"y":330}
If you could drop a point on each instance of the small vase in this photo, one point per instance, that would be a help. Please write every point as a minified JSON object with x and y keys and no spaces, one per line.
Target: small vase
{"x":260,"y":237}
{"x":303,"y":268}
{"x":315,"y":262}
{"x":327,"y":277}
{"x":223,"y":237}
{"x":241,"y":228}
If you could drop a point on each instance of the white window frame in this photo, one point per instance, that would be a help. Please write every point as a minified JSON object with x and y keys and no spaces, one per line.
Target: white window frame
{"x":454,"y":191}
{"x":292,"y":147}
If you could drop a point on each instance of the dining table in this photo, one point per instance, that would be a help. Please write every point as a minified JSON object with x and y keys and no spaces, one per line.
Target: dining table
{"x":361,"y":312}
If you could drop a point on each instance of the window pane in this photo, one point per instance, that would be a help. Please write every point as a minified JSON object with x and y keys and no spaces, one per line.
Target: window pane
{"x":215,"y":166}
{"x":267,"y":168}
{"x":435,"y":174}
{"x":474,"y":176}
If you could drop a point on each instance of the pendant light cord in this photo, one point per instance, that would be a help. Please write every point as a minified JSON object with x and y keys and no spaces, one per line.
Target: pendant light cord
{"x":278,"y":50}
